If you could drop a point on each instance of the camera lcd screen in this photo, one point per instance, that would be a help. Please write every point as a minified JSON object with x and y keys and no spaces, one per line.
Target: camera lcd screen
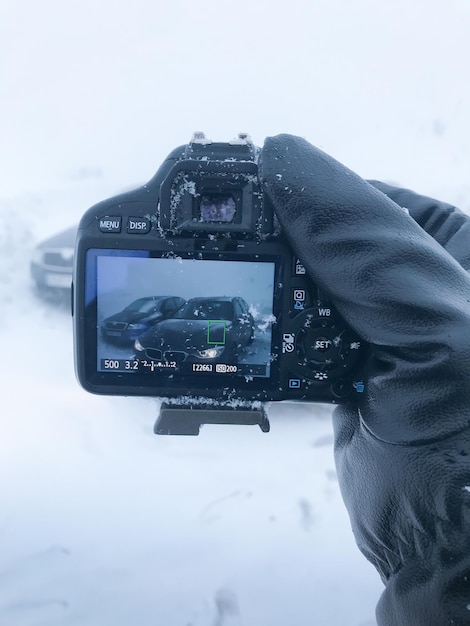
{"x":181,"y":316}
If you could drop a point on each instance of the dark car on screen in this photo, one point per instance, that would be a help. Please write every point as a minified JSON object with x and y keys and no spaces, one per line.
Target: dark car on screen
{"x":51,"y":264}
{"x":138,"y":317}
{"x":204,"y":330}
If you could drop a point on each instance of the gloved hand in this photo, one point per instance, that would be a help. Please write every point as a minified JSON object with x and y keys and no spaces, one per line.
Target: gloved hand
{"x":402,"y":448}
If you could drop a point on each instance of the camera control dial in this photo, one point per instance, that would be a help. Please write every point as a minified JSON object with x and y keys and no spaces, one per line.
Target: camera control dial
{"x":320,"y":348}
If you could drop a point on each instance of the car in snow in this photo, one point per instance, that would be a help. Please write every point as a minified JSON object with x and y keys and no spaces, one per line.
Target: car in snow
{"x":204,"y":330}
{"x":138,"y":317}
{"x":51,"y":264}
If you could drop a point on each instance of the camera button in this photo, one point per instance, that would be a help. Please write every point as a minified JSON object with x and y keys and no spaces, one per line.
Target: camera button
{"x":110,"y":224}
{"x":138,"y":225}
{"x":298,"y":268}
{"x":342,"y":388}
{"x":322,"y":344}
{"x":294,"y":383}
{"x":300,"y":300}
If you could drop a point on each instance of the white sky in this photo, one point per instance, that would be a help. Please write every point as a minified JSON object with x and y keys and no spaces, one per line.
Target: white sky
{"x":112,"y":87}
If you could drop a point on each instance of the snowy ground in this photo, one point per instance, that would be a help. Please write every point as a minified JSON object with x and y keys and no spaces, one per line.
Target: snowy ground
{"x":101,"y":521}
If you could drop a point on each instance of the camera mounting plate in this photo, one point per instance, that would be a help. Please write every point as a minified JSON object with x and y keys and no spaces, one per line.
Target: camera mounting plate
{"x":176,"y":419}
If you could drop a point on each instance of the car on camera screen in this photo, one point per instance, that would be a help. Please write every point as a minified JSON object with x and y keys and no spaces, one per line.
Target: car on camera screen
{"x":205,"y":329}
{"x":138,"y":317}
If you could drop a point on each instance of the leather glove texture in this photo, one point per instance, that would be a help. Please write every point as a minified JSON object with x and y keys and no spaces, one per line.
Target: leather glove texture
{"x":402,"y":448}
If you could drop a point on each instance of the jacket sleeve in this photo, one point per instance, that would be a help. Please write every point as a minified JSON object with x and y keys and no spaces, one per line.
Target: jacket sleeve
{"x":402,"y":451}
{"x":447,"y":224}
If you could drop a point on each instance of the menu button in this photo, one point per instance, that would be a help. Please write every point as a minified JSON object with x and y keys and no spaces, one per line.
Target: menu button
{"x":110,"y":224}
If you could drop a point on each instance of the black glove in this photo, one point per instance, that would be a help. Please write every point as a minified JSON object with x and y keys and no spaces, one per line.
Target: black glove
{"x":402,"y":449}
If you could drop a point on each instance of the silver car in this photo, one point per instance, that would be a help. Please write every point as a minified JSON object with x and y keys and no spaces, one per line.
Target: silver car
{"x":52,"y":262}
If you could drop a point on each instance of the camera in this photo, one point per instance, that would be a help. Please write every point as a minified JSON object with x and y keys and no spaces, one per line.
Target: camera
{"x":186,"y":289}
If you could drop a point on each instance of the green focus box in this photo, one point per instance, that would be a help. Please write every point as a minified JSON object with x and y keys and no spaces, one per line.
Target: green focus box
{"x":216,"y":332}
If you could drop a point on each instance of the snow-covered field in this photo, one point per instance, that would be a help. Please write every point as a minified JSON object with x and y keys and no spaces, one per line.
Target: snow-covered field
{"x":101,"y":521}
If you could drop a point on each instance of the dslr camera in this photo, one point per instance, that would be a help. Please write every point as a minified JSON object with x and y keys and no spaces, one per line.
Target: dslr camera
{"x":186,"y":289}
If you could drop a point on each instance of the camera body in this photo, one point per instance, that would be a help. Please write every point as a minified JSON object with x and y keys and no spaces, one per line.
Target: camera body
{"x":187,"y":289}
